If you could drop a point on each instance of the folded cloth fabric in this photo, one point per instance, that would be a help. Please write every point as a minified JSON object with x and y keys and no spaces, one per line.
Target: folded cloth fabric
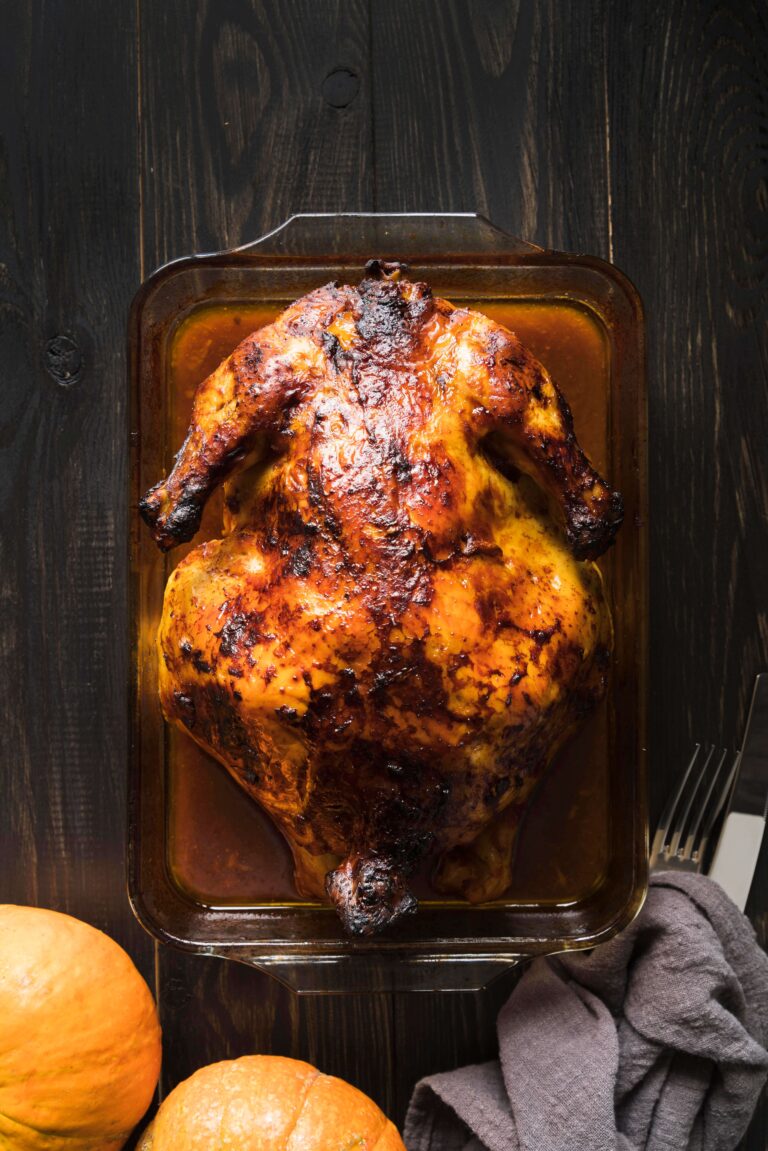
{"x":655,"y":1040}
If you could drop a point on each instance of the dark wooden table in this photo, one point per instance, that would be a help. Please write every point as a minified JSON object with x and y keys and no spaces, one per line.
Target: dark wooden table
{"x":132,"y":133}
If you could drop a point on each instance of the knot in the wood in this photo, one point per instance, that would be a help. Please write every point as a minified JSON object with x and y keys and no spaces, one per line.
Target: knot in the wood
{"x":63,"y":360}
{"x":340,"y":87}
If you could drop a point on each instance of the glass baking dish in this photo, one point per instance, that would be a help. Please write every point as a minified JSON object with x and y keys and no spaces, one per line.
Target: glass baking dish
{"x":206,"y":870}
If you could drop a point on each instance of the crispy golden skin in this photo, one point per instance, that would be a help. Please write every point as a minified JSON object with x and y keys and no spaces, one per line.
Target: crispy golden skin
{"x":400,"y":623}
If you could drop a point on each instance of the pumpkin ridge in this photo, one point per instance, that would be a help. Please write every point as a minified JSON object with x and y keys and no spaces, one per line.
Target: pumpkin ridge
{"x":381,"y":1132}
{"x":310,"y":1085}
{"x":386,"y":1130}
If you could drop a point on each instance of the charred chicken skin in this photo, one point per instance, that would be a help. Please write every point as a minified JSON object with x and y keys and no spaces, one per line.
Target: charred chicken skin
{"x":401,"y":622}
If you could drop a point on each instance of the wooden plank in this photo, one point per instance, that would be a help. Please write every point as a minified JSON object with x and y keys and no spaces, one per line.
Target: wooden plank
{"x":494,"y":107}
{"x":68,"y":268}
{"x":688,"y":118}
{"x":215,"y":1009}
{"x":262,"y":110}
{"x":459,"y":1028}
{"x":688,"y":160}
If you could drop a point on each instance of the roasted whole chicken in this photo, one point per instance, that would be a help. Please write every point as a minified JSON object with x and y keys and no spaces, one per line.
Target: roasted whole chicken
{"x":401,"y":622}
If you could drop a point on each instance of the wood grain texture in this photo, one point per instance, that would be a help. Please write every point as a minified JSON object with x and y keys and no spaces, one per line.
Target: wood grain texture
{"x":499,"y":108}
{"x":239,"y":130}
{"x":494,"y":107}
{"x":133,"y":134}
{"x":440,"y":1032}
{"x":237,"y":133}
{"x":688,"y":122}
{"x":215,"y":1009}
{"x":68,"y":266}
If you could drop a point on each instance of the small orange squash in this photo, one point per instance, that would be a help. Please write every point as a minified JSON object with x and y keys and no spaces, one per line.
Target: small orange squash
{"x":79,"y":1035}
{"x":267,"y":1103}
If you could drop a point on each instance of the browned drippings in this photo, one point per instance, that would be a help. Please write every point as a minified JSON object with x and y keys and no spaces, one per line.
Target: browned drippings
{"x":223,"y":848}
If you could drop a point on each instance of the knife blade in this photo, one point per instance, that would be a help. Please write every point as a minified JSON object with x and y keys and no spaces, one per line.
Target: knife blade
{"x":736,"y":855}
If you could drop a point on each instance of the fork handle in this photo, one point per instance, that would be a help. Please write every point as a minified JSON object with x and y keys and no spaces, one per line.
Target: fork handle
{"x":735,"y":860}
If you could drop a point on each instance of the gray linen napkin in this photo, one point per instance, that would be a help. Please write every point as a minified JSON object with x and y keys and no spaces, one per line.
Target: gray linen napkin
{"x":653,"y":1041}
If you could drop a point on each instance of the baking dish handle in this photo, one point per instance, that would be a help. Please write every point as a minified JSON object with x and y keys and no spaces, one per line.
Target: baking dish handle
{"x":422,"y":234}
{"x":381,"y":973}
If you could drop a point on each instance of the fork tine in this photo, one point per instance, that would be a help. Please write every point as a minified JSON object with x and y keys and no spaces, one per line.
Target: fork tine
{"x":696,"y":843}
{"x":719,"y":804}
{"x":664,"y":823}
{"x":704,"y":806}
{"x":692,"y":793}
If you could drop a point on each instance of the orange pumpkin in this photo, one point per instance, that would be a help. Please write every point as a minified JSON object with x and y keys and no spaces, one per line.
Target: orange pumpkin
{"x":267,"y":1103}
{"x":79,"y":1036}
